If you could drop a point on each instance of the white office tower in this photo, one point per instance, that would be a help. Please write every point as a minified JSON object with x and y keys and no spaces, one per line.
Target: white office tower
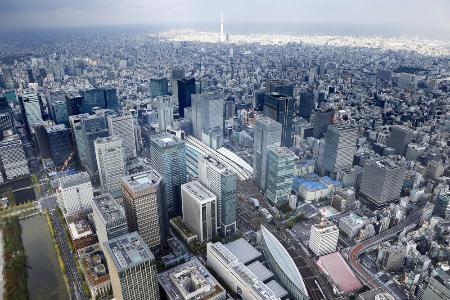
{"x":207,"y":112}
{"x":142,"y":197}
{"x":132,"y":268}
{"x":381,"y":181}
{"x":323,"y":239}
{"x":199,"y":210}
{"x":31,"y":110}
{"x":111,"y":164}
{"x":165,"y":114}
{"x":267,"y":132}
{"x":109,"y":218}
{"x":222,"y":182}
{"x":123,"y":126}
{"x":340,"y":147}
{"x":75,"y":193}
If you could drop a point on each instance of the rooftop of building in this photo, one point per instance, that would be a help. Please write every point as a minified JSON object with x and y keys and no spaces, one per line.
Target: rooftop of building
{"x":143,"y":180}
{"x":128,"y":250}
{"x":166,"y":140}
{"x":108,"y":207}
{"x":243,"y":251}
{"x":262,"y":273}
{"x":353,"y":219}
{"x":266,"y":121}
{"x":93,"y":264}
{"x":335,"y":266}
{"x":55,"y":128}
{"x":185,"y":230}
{"x":277,"y":289}
{"x":326,"y":227}
{"x":197,"y":190}
{"x":281,"y":151}
{"x":74,"y":179}
{"x":108,"y":139}
{"x":185,"y":280}
{"x":78,"y":227}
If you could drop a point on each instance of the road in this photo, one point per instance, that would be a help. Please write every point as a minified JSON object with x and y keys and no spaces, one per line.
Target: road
{"x":75,"y":281}
{"x":353,"y":257}
{"x":250,"y":219}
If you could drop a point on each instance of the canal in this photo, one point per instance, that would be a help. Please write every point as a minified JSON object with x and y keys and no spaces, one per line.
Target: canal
{"x":45,"y":279}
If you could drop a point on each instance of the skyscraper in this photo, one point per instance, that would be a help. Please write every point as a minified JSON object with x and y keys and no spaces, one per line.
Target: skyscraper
{"x":222,"y":182}
{"x":381,"y":181}
{"x":111,"y":100}
{"x":30,"y":104}
{"x":207,"y":112}
{"x":109,"y":218}
{"x":306,"y":103}
{"x":322,"y":118}
{"x":267,"y":132}
{"x":177,"y":74}
{"x":442,"y":206}
{"x":77,"y":136}
{"x":340,"y":147}
{"x":280,"y":171}
{"x":132,"y":268}
{"x":110,"y":158}
{"x":142,"y":198}
{"x":168,"y":157}
{"x":400,"y":138}
{"x":93,"y":127}
{"x":186,"y":87}
{"x":57,"y":107}
{"x":159,"y":87}
{"x":281,"y":87}
{"x":165,"y":114}
{"x":123,"y":127}
{"x":281,"y":109}
{"x":60,"y":143}
{"x":75,"y":193}
{"x":323,"y":239}
{"x":199,"y":210}
{"x":12,"y":155}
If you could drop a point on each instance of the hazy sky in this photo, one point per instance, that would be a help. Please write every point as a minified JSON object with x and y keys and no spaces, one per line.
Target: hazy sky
{"x":407,"y":15}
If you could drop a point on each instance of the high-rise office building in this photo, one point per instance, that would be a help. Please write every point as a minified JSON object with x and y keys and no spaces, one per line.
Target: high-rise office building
{"x":281,"y":109}
{"x":322,"y":118}
{"x":199,"y":210}
{"x":57,"y":107}
{"x":186,"y":87}
{"x":280,"y":171}
{"x":400,"y":138}
{"x":340,"y":147}
{"x":123,"y":126}
{"x":382,"y":181}
{"x":168,"y":157}
{"x":93,"y":127}
{"x":223,"y":183}
{"x":75,"y":193}
{"x":306,"y":103}
{"x":165,"y":114}
{"x":74,"y":104}
{"x":110,"y":158}
{"x":207,"y":112}
{"x":60,"y":143}
{"x":142,"y":198}
{"x":77,"y":136}
{"x":8,"y":78}
{"x":323,"y":239}
{"x":267,"y":132}
{"x":177,"y":74}
{"x":442,"y":206}
{"x":281,"y":87}
{"x":30,"y":104}
{"x":109,"y":218}
{"x":111,"y":99}
{"x":6,"y":116}
{"x":13,"y":158}
{"x":159,"y":87}
{"x":132,"y":268}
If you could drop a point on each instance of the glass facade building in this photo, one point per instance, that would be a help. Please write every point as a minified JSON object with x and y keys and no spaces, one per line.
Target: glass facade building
{"x":280,"y":165}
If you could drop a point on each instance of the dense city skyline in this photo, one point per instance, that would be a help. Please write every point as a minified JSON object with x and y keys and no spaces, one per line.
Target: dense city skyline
{"x":364,"y":17}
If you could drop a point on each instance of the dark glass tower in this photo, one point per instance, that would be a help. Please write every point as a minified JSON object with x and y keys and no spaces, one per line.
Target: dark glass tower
{"x":281,"y":109}
{"x":186,"y":87}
